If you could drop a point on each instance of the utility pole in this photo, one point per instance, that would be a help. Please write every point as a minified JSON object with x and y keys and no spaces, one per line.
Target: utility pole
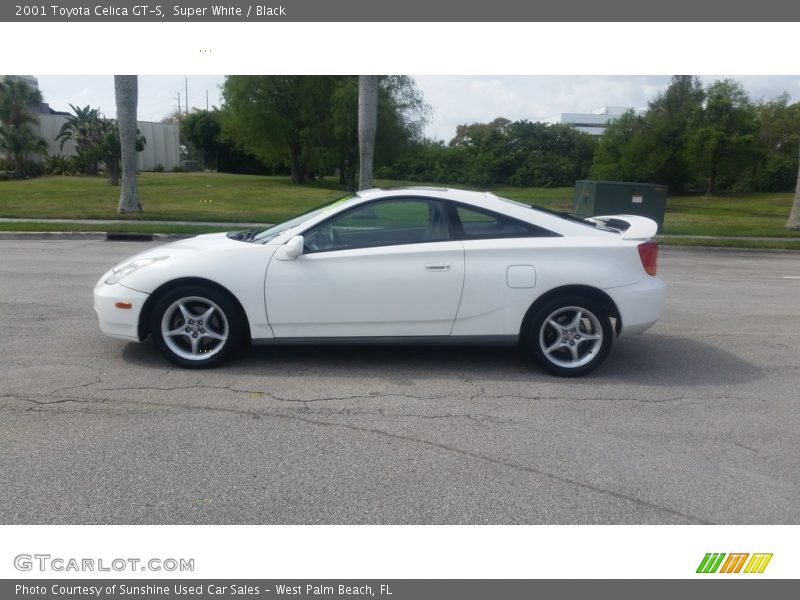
{"x":186,"y":97}
{"x":179,"y":128}
{"x":206,"y":100}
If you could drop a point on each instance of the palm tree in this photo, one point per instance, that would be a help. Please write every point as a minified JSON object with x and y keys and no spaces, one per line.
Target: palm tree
{"x":85,"y":128}
{"x":18,"y":101}
{"x":126,"y":92}
{"x":367,"y":127}
{"x":794,"y":217}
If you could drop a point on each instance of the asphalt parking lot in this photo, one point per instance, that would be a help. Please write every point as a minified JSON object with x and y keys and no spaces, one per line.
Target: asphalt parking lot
{"x":696,"y":421}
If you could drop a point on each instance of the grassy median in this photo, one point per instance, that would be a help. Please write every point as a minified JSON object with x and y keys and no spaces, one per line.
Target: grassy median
{"x":232,"y":198}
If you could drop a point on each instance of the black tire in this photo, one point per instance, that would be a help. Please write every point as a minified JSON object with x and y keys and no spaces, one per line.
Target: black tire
{"x":581,"y":341}
{"x":206,"y":324}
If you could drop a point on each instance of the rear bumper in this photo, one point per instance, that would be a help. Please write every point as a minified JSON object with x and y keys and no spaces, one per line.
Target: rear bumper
{"x":640,"y":305}
{"x":121,"y":323}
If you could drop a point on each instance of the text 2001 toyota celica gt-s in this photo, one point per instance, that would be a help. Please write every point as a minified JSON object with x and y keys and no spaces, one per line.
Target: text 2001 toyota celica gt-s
{"x":412,"y":265}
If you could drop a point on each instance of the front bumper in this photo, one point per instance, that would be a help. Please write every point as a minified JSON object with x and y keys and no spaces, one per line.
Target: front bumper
{"x":121,"y":323}
{"x":640,"y":305}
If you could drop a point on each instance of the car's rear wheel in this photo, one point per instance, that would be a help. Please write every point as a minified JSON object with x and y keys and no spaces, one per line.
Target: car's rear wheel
{"x":570,"y":336}
{"x":195,"y":326}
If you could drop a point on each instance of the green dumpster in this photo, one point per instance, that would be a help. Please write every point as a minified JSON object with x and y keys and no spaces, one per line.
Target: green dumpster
{"x":595,"y":198}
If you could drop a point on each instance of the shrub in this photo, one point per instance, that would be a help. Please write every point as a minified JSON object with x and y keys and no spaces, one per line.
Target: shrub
{"x":29,"y":169}
{"x":62,"y":165}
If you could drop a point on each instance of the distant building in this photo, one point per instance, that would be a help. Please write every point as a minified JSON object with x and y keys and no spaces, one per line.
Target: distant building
{"x":29,"y":79}
{"x":595,"y":122}
{"x":44,"y":107}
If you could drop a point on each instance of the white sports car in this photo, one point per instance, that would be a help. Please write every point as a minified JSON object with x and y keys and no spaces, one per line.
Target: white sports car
{"x":412,"y":265}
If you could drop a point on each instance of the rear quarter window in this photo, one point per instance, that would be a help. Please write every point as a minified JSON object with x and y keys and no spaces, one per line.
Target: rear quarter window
{"x":483,"y":224}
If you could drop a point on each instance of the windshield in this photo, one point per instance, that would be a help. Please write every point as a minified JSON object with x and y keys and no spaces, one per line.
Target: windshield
{"x":263,"y":237}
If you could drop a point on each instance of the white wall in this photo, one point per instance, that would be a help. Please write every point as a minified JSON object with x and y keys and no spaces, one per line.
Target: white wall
{"x":161,"y":148}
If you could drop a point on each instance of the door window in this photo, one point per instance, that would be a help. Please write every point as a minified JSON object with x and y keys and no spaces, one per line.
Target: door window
{"x":382,"y":223}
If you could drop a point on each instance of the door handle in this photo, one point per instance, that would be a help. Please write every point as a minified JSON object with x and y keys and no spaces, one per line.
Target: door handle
{"x":437,"y":267}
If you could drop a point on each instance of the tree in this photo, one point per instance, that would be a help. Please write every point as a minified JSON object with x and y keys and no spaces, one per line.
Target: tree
{"x":652,"y":146}
{"x":666,"y":127}
{"x":96,"y":140}
{"x":778,"y":140}
{"x":621,"y":150}
{"x":401,"y":117}
{"x":174,"y":117}
{"x":794,"y":217}
{"x":126,"y":93}
{"x":485,"y":149}
{"x":546,"y":155}
{"x":367,"y":127}
{"x":19,"y":103}
{"x":279,"y":117}
{"x":200,"y":130}
{"x":85,"y":129}
{"x":344,"y":106}
{"x":723,"y":138}
{"x":311,"y":122}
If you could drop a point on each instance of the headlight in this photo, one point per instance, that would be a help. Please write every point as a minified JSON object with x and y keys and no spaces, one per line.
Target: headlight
{"x":130,"y":267}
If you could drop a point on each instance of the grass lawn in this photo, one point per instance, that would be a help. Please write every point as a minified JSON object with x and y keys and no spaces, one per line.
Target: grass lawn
{"x":166,"y":196}
{"x":753,"y":214}
{"x":248,"y":198}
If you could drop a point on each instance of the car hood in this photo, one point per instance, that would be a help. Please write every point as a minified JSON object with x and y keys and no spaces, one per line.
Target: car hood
{"x":202,"y":243}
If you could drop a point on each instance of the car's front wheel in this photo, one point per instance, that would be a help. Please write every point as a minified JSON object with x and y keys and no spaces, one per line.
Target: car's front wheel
{"x":570,"y":336}
{"x":195,"y":326}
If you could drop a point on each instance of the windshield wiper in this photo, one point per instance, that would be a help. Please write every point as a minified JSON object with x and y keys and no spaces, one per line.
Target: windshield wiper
{"x":244,"y":236}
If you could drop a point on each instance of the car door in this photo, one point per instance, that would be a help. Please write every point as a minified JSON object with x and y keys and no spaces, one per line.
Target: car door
{"x":502,"y":256}
{"x":387,"y":268}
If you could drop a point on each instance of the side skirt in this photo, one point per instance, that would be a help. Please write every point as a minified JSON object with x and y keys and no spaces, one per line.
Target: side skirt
{"x":423,"y":340}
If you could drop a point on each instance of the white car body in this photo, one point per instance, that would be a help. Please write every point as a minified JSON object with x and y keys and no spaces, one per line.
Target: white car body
{"x":454,"y":289}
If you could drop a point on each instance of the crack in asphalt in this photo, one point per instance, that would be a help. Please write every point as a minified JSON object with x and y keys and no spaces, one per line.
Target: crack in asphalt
{"x":373,"y":395}
{"x":414,"y":440}
{"x":480,"y":419}
{"x":475,"y":397}
{"x":370,"y":396}
{"x":75,"y":387}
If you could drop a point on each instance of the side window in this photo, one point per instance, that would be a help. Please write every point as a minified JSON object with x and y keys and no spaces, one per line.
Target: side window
{"x":382,"y":223}
{"x":479,"y":224}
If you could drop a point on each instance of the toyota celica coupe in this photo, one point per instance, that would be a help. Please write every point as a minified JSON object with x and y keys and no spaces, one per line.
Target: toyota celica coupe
{"x":411,"y":265}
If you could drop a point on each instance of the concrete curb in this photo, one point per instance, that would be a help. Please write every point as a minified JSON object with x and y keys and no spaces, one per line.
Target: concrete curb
{"x":114,"y":236}
{"x":233,"y":225}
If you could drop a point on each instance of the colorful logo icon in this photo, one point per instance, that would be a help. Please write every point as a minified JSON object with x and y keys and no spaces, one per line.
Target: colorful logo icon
{"x":713,"y":562}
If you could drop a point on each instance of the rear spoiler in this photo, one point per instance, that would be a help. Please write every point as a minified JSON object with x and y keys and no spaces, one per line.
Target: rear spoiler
{"x":630,"y":227}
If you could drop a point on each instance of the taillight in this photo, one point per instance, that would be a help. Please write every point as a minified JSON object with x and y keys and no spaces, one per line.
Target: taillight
{"x":648,"y":252}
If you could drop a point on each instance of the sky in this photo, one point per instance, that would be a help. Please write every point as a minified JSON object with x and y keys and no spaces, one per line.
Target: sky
{"x":454,"y":99}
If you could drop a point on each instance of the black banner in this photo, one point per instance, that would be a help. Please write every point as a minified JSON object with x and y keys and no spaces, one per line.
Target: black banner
{"x":398,"y":589}
{"x":400,"y":11}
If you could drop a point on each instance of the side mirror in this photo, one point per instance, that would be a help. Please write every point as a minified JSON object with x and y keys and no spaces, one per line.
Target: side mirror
{"x":291,"y":249}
